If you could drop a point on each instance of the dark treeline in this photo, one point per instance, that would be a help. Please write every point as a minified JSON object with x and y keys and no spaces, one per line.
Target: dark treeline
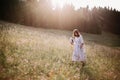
{"x":41,"y":14}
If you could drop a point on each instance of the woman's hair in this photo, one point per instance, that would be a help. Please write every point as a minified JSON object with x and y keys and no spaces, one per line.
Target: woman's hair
{"x":76,"y":31}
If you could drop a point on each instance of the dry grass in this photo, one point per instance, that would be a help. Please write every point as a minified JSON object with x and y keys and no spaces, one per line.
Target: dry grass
{"x":45,"y":54}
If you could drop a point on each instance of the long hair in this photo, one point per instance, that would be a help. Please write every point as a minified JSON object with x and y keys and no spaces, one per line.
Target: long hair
{"x":76,"y":33}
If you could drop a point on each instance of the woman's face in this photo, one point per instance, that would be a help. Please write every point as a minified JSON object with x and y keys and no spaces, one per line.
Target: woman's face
{"x":76,"y":33}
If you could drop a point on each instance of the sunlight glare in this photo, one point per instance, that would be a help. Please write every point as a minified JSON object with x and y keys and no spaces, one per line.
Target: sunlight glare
{"x":83,"y":3}
{"x":58,"y":3}
{"x":76,"y":3}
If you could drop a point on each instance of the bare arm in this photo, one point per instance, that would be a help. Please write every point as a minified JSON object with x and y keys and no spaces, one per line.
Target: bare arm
{"x":71,"y":41}
{"x":82,"y":42}
{"x":81,"y":45}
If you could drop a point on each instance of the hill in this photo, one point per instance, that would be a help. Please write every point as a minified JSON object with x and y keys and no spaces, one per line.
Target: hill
{"x":28,"y":53}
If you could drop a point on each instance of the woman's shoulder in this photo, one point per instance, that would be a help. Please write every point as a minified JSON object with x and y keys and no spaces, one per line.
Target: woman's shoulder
{"x":81,"y":36}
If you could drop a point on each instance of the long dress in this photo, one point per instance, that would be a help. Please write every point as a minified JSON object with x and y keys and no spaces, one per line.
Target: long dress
{"x":78,"y":53}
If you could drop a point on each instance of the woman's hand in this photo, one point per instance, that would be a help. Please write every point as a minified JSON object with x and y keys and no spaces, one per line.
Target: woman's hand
{"x":81,"y":45}
{"x":71,"y":41}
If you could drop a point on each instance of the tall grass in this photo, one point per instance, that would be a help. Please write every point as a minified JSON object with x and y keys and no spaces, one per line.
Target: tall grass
{"x":45,"y":54}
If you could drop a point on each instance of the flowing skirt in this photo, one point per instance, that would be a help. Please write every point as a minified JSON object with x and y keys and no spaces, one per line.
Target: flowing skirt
{"x":78,"y":54}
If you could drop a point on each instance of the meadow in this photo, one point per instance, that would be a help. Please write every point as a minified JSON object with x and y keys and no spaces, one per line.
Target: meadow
{"x":28,"y":53}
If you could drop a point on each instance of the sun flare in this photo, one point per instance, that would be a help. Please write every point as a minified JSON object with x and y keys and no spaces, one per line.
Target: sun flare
{"x":83,"y":3}
{"x":58,"y":3}
{"x":76,"y":3}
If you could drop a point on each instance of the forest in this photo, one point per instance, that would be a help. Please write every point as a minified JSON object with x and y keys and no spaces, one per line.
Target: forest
{"x":39,"y":13}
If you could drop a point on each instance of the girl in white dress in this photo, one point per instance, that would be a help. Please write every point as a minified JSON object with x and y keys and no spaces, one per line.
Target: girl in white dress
{"x":78,"y":51}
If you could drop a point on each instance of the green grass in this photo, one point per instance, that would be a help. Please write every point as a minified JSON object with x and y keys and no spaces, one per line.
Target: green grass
{"x":45,"y":54}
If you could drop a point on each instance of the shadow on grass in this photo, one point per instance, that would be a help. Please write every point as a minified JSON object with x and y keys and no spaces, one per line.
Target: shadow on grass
{"x":3,"y":63}
{"x":106,"y":39}
{"x":6,"y":68}
{"x":87,"y":73}
{"x":110,"y":43}
{"x":2,"y":59}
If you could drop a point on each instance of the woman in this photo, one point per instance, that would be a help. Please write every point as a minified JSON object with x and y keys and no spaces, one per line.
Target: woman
{"x":78,"y":51}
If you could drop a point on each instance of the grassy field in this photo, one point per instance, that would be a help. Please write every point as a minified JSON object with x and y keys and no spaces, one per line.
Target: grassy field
{"x":28,"y":53}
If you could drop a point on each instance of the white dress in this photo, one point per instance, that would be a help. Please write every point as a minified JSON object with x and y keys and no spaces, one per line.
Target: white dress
{"x":78,"y":53}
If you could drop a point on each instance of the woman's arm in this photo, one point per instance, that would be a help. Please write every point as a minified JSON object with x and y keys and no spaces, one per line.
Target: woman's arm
{"x":71,"y":41}
{"x":81,"y":45}
{"x":82,"y":42}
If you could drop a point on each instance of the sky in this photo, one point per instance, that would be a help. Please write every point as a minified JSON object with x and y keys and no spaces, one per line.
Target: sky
{"x":83,"y":3}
